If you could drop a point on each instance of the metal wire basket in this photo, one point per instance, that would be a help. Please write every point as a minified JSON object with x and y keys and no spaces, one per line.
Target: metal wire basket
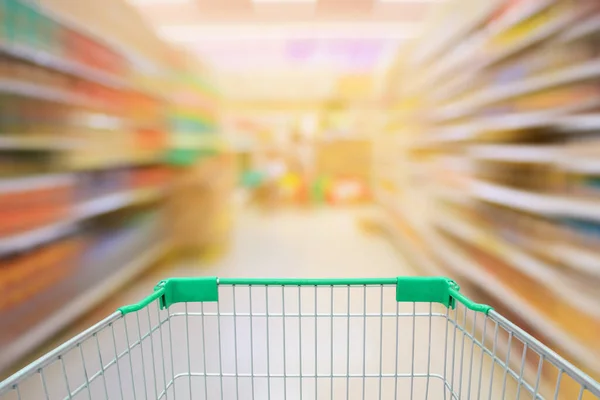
{"x":383,"y":338}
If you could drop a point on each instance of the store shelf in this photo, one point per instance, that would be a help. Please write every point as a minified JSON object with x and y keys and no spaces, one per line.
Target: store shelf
{"x":19,"y":184}
{"x":389,"y":221}
{"x":546,"y":32}
{"x":519,"y":14}
{"x":59,"y":64}
{"x":579,"y":123}
{"x":536,"y":203}
{"x":449,"y":64}
{"x":576,"y":74}
{"x":552,"y":118}
{"x":559,"y":157}
{"x":518,"y":199}
{"x":36,"y":237}
{"x":464,"y":59}
{"x":138,"y":61}
{"x":462,"y":264}
{"x":25,"y":142}
{"x":583,"y":260}
{"x":440,"y":47}
{"x":66,"y":302}
{"x":584,"y":29}
{"x":580,"y":165}
{"x":452,"y":194}
{"x":41,"y":92}
{"x":572,"y":293}
{"x":116,"y":201}
{"x":528,"y":154}
{"x":108,"y":162}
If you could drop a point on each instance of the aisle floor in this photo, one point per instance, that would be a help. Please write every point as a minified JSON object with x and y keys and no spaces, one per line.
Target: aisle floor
{"x":316,"y":356}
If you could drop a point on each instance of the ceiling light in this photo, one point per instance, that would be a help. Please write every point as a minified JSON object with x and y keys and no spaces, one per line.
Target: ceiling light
{"x":284,"y":1}
{"x":412,"y":1}
{"x":190,"y":34}
{"x":157,"y":2}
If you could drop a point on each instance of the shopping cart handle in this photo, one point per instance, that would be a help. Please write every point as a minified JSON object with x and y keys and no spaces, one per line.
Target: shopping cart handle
{"x":421,"y":289}
{"x":409,"y":289}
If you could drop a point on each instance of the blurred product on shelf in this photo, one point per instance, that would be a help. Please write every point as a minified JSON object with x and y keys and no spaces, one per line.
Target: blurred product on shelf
{"x":27,"y":203}
{"x":158,"y":176}
{"x":96,"y":183}
{"x":192,"y":119}
{"x":121,"y":236}
{"x":348,"y":191}
{"x":25,"y":275}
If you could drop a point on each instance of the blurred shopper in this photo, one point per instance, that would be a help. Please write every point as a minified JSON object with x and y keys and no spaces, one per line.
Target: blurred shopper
{"x":304,"y":156}
{"x":273,"y":170}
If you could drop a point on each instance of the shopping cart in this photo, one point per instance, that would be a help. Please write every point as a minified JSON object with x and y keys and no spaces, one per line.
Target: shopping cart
{"x":227,"y":338}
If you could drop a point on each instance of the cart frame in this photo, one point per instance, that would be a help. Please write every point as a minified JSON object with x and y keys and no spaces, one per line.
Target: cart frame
{"x":433,"y":291}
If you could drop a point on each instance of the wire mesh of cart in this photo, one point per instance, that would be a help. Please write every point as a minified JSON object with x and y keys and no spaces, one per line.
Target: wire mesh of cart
{"x":227,"y":338}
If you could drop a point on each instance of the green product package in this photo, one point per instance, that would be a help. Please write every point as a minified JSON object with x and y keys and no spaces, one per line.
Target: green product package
{"x":3,"y":19}
{"x":319,"y":190}
{"x":182,"y":156}
{"x":11,"y":21}
{"x":21,"y":19}
{"x":188,"y":156}
{"x":252,"y":179}
{"x":46,"y":34}
{"x":32,"y":36}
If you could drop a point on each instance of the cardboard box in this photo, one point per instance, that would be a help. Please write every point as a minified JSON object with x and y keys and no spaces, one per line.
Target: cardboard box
{"x":344,"y":158}
{"x":200,"y":202}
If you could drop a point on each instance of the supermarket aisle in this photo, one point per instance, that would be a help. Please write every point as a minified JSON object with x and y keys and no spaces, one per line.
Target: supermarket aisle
{"x":322,"y":243}
{"x":289,"y":243}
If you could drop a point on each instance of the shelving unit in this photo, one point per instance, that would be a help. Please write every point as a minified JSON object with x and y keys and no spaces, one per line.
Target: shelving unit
{"x":47,"y":60}
{"x":84,"y":140}
{"x":35,"y":237}
{"x":68,"y":301}
{"x":116,"y":201}
{"x":497,"y":159}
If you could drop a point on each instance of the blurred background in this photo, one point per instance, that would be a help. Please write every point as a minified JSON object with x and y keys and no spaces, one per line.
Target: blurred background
{"x":141,"y":139}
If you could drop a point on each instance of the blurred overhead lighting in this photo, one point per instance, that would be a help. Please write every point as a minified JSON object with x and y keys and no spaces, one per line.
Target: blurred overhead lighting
{"x":284,"y":1}
{"x":191,"y":34}
{"x":157,"y":2}
{"x":412,"y":1}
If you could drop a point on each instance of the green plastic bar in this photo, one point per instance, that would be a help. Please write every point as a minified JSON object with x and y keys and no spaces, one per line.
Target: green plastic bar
{"x":158,"y":292}
{"x":408,"y":289}
{"x":194,"y":290}
{"x":470,"y":304}
{"x":425,"y":289}
{"x":308,"y":282}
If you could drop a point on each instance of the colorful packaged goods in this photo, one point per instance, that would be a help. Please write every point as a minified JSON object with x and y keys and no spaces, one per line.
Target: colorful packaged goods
{"x":147,"y":177}
{"x":42,"y":201}
{"x":22,"y":276}
{"x":96,"y":183}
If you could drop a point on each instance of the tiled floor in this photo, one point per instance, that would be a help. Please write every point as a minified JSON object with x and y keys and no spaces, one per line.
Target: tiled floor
{"x":339,"y":357}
